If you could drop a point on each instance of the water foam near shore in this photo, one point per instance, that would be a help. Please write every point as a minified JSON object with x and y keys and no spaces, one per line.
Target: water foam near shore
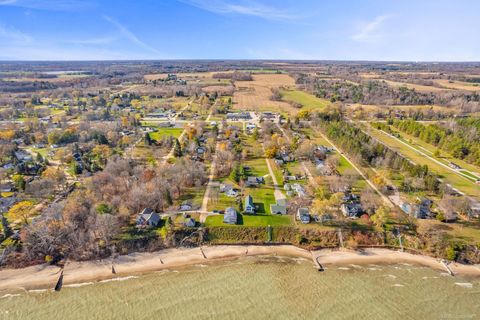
{"x":261,"y":287}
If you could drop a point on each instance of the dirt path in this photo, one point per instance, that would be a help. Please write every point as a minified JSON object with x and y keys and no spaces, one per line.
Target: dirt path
{"x":384,"y":197}
{"x":427,"y":156}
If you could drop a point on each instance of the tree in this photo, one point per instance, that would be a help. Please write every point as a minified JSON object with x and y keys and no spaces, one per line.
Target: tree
{"x":7,"y":231}
{"x":255,"y":134}
{"x":148,"y":140}
{"x":177,"y":149}
{"x":55,"y":174}
{"x":381,"y":217}
{"x":19,"y":181}
{"x":22,"y":210}
{"x":271,"y":151}
{"x":236,"y":173}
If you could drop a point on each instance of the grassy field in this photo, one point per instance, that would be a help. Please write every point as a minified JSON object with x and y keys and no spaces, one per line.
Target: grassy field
{"x":251,"y":220}
{"x":461,"y":183}
{"x":255,"y":95}
{"x":430,"y":150}
{"x":417,"y":87}
{"x":165,"y":132}
{"x":458,"y":85}
{"x":308,"y":101}
{"x":464,"y":231}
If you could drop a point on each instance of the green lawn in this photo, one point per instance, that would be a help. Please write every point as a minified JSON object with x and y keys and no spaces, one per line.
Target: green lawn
{"x":165,"y":132}
{"x":430,"y":150}
{"x":194,"y":196}
{"x":308,"y":101}
{"x":251,"y":221}
{"x":461,"y":183}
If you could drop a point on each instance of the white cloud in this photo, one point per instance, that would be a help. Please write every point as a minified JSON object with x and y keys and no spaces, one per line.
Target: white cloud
{"x":129,"y":35}
{"x":13,"y":36}
{"x":370,"y":31}
{"x":59,"y":5}
{"x":249,"y":8}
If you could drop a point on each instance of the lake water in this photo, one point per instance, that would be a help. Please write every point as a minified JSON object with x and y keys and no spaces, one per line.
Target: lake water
{"x":260,"y":288}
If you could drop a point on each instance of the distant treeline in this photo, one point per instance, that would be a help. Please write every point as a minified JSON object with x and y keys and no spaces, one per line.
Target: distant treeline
{"x":378,"y":92}
{"x":236,"y":76}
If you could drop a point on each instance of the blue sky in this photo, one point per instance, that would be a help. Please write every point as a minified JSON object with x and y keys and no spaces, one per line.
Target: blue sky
{"x":422,"y":30}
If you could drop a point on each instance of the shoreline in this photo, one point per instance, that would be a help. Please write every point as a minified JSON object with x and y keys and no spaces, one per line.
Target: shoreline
{"x":75,"y":273}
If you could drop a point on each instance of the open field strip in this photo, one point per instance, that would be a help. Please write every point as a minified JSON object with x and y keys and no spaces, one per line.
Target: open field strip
{"x":450,"y":175}
{"x":468,"y":170}
{"x":307,"y":100}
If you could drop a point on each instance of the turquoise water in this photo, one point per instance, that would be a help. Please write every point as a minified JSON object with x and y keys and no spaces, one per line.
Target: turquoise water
{"x":260,"y":288}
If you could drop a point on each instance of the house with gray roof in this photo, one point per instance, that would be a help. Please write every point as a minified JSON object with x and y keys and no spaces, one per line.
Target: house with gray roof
{"x":148,"y":218}
{"x":280,"y":207}
{"x":249,"y":206}
{"x":230,"y":216}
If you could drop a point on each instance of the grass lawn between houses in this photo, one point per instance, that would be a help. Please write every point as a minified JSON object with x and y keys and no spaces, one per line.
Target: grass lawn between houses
{"x":165,"y":132}
{"x":251,"y":221}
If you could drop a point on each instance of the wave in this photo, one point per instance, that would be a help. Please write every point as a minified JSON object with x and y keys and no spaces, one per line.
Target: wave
{"x":119,"y":279}
{"x":10,"y":295}
{"x":464,"y":284}
{"x":38,"y":290}
{"x":77,"y":285}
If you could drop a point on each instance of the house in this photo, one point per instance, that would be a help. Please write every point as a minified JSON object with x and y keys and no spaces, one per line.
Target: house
{"x":185,"y":207}
{"x":157,"y":115}
{"x":351,"y":210}
{"x":420,"y":210}
{"x":287,"y":187}
{"x":224,"y":187}
{"x":254,"y":181}
{"x":299,"y":190}
{"x":474,"y":211}
{"x":303,"y":215}
{"x":148,"y":217}
{"x":201,"y":150}
{"x":269,"y":115}
{"x":279,"y":162}
{"x":230,"y":216}
{"x":238,"y":116}
{"x":320,"y":164}
{"x":6,"y":187}
{"x":23,"y":156}
{"x":280,"y":207}
{"x":189,"y":223}
{"x":250,"y":126}
{"x":285,"y":156}
{"x":249,"y":206}
{"x":232,"y":193}
{"x":323,"y":149}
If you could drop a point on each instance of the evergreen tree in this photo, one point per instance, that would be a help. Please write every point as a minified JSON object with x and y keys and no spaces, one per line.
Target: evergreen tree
{"x":177,"y":149}
{"x":148,"y":140}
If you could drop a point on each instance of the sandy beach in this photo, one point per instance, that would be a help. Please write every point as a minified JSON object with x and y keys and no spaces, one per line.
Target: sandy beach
{"x":45,"y":277}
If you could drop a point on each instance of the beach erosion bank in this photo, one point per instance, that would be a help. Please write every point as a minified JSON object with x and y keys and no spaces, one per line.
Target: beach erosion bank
{"x":75,"y":273}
